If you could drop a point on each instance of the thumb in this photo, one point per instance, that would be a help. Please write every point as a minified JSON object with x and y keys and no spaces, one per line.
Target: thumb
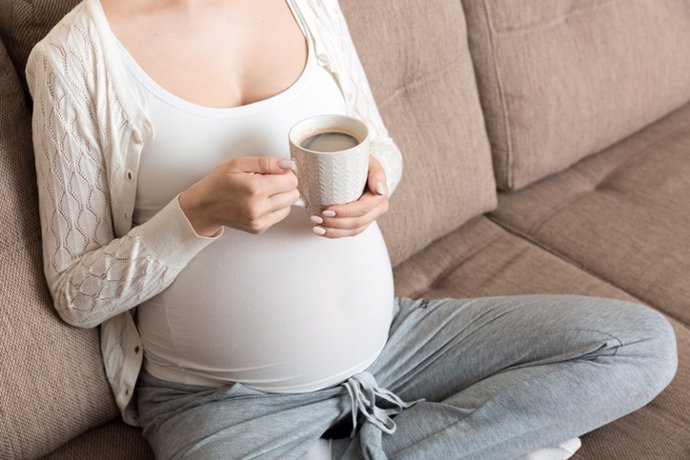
{"x":377,"y":177}
{"x":263,"y":165}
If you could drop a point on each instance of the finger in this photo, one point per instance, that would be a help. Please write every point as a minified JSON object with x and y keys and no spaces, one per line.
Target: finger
{"x":276,"y":216}
{"x":270,"y":184}
{"x":261,"y":165}
{"x":263,"y":186}
{"x":353,"y":222}
{"x":259,"y":188}
{"x":281,"y":200}
{"x":362,"y":206}
{"x":376,"y":181}
{"x":341,"y":232}
{"x":265,"y":222}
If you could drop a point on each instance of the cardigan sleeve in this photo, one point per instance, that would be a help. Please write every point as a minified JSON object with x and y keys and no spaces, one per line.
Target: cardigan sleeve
{"x":363,"y":105}
{"x":92,"y":275}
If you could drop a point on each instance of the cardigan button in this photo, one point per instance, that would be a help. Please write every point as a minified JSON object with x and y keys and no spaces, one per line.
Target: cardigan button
{"x":323,"y":59}
{"x":149,"y":129}
{"x":130,"y":175}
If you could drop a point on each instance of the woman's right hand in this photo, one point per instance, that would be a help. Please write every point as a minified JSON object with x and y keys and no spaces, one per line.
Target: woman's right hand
{"x":246,"y":193}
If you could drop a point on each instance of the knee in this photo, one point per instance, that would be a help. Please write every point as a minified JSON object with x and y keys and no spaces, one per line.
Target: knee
{"x":663,"y":345}
{"x":652,"y":341}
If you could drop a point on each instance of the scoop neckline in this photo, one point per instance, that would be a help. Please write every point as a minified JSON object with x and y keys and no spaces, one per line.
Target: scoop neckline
{"x":199,"y":109}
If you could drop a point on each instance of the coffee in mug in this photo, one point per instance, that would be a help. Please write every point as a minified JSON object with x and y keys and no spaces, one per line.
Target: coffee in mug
{"x":331,"y":154}
{"x":329,"y":140}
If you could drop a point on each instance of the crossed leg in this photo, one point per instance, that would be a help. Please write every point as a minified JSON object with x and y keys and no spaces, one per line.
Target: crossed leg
{"x":504,"y":376}
{"x":501,"y":377}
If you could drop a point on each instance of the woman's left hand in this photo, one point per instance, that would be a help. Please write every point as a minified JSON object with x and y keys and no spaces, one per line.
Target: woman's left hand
{"x":353,"y":218}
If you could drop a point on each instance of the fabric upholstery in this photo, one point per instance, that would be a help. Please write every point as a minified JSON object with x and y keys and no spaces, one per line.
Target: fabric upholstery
{"x":424,"y":85}
{"x":52,"y":382}
{"x":482,"y":258}
{"x":623,"y":215}
{"x":24,"y":22}
{"x":561,"y":79}
{"x":114,"y":440}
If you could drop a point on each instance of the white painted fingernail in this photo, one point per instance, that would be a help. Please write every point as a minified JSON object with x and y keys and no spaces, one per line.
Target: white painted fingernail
{"x":316,"y":219}
{"x":329,"y":213}
{"x":379,"y":188}
{"x":319,"y":230}
{"x":286,"y":164}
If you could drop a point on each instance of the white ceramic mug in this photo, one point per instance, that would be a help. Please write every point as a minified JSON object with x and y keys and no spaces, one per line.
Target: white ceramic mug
{"x":332,"y":169}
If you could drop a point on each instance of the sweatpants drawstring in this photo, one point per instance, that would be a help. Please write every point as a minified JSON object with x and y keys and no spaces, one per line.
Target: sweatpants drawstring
{"x":363,"y":391}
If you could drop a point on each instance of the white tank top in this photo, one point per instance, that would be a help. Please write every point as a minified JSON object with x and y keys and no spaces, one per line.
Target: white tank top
{"x":285,"y":311}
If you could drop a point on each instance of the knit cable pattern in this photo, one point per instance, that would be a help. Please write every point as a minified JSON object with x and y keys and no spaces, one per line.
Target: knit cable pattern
{"x":92,"y":275}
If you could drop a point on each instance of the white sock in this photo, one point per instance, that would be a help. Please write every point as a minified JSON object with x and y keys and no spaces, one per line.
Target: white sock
{"x":562,"y":452}
{"x":320,"y":450}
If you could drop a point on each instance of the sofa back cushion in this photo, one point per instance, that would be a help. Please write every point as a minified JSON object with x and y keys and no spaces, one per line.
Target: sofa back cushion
{"x":52,"y":383}
{"x":417,"y":61}
{"x":23,"y":23}
{"x":562,"y":79}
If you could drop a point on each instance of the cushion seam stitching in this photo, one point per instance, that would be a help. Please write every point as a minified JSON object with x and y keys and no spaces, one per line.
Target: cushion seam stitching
{"x":504,"y":109}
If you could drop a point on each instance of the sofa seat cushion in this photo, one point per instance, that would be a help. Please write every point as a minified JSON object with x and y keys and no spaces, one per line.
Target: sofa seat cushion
{"x":482,"y":258}
{"x":563,"y":79}
{"x":114,"y":440}
{"x":623,"y":214}
{"x":424,"y":85}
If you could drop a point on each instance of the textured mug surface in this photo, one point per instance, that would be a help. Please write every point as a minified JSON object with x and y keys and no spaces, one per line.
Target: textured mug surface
{"x":334,"y":177}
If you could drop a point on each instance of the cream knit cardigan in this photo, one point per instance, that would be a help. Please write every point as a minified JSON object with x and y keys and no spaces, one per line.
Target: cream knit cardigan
{"x":88,"y":132}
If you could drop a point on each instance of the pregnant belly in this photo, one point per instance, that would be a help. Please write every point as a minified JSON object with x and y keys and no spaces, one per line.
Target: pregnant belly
{"x":285,"y":311}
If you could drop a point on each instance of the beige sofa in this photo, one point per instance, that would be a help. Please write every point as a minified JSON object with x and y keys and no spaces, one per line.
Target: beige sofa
{"x":576,"y":110}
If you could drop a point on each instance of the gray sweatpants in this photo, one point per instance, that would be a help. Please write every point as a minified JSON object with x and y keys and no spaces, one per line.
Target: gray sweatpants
{"x":499,"y":377}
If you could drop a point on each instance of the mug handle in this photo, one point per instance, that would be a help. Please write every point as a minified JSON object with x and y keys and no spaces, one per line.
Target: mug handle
{"x":300,"y":203}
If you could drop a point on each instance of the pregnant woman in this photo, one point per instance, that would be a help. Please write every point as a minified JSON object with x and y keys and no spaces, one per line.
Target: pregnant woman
{"x":235,"y":325}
